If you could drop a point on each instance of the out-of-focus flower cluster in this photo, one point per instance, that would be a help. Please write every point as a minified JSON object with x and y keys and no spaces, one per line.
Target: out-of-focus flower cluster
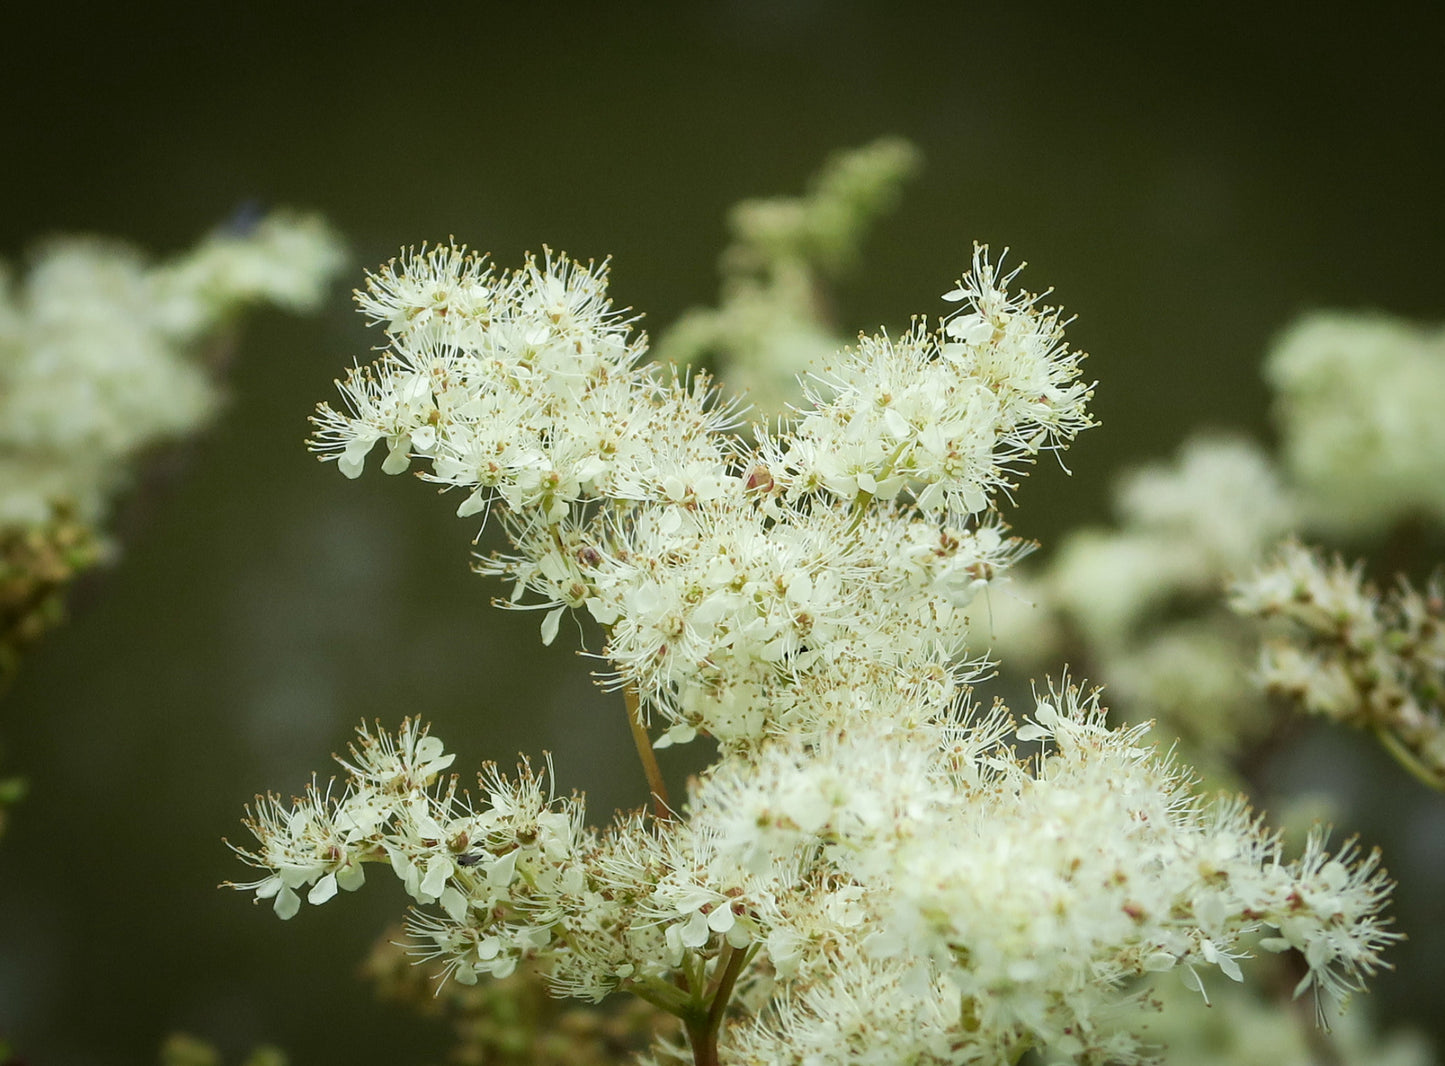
{"x":1233,"y":1024}
{"x":772,"y":321}
{"x":1143,"y":604}
{"x":870,"y":872}
{"x":1146,"y":604}
{"x":182,"y":1049}
{"x":1358,"y":407}
{"x":103,"y":355}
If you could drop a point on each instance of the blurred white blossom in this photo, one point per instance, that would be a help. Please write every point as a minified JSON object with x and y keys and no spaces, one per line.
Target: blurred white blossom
{"x":1143,"y":603}
{"x":772,"y":322}
{"x":1358,"y":405}
{"x":104,"y":356}
{"x":101,"y":352}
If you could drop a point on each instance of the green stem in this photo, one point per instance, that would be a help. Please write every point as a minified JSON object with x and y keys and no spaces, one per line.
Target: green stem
{"x":701,"y":1012}
{"x":1019,"y":1050}
{"x":1407,"y":758}
{"x":702,"y":1042}
{"x":667,"y":998}
{"x":859,"y":507}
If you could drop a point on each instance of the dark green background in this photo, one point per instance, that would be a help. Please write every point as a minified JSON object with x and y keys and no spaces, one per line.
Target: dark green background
{"x":1187,"y":182}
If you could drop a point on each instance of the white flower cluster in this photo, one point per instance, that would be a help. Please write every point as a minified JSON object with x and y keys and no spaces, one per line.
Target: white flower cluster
{"x":100,"y":352}
{"x":869,"y":872}
{"x":1354,"y":656}
{"x":946,"y":416}
{"x":1359,"y":413}
{"x":889,"y":894}
{"x":730,"y":580}
{"x":523,"y":385}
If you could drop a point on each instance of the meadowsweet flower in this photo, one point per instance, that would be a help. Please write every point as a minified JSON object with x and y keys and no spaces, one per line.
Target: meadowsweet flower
{"x":527,"y":392}
{"x":869,"y":871}
{"x":950,"y":415}
{"x":1022,"y":894}
{"x":99,"y":352}
{"x":522,"y":386}
{"x":283,"y":258}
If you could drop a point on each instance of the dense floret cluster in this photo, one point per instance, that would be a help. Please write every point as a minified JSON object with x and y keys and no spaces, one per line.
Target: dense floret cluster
{"x":872,"y":871}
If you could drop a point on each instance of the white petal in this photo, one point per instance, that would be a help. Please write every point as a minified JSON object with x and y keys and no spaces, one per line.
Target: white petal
{"x":681,"y":733}
{"x":400,"y":864}
{"x":438,"y":869}
{"x":503,"y":870}
{"x":353,"y":457}
{"x":287,"y":904}
{"x":739,"y":936}
{"x":428,"y":748}
{"x":454,"y":903}
{"x":896,"y":425}
{"x":323,"y":890}
{"x":472,"y":504}
{"x":398,"y":455}
{"x":695,"y":933}
{"x":551,"y":624}
{"x":1193,"y":983}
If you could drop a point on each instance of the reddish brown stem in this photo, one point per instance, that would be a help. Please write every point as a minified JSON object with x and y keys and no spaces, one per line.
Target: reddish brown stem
{"x":660,"y":806}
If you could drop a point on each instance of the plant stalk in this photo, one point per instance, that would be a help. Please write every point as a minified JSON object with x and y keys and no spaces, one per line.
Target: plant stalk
{"x":1407,"y":758}
{"x":660,"y":805}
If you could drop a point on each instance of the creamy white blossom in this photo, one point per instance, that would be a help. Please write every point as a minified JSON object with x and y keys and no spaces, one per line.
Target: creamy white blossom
{"x":948,"y":416}
{"x":871,"y":870}
{"x":1142,"y":602}
{"x":979,"y":900}
{"x":104,"y":356}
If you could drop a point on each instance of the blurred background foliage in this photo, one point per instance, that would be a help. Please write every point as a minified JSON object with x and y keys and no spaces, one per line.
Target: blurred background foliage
{"x":1187,"y":181}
